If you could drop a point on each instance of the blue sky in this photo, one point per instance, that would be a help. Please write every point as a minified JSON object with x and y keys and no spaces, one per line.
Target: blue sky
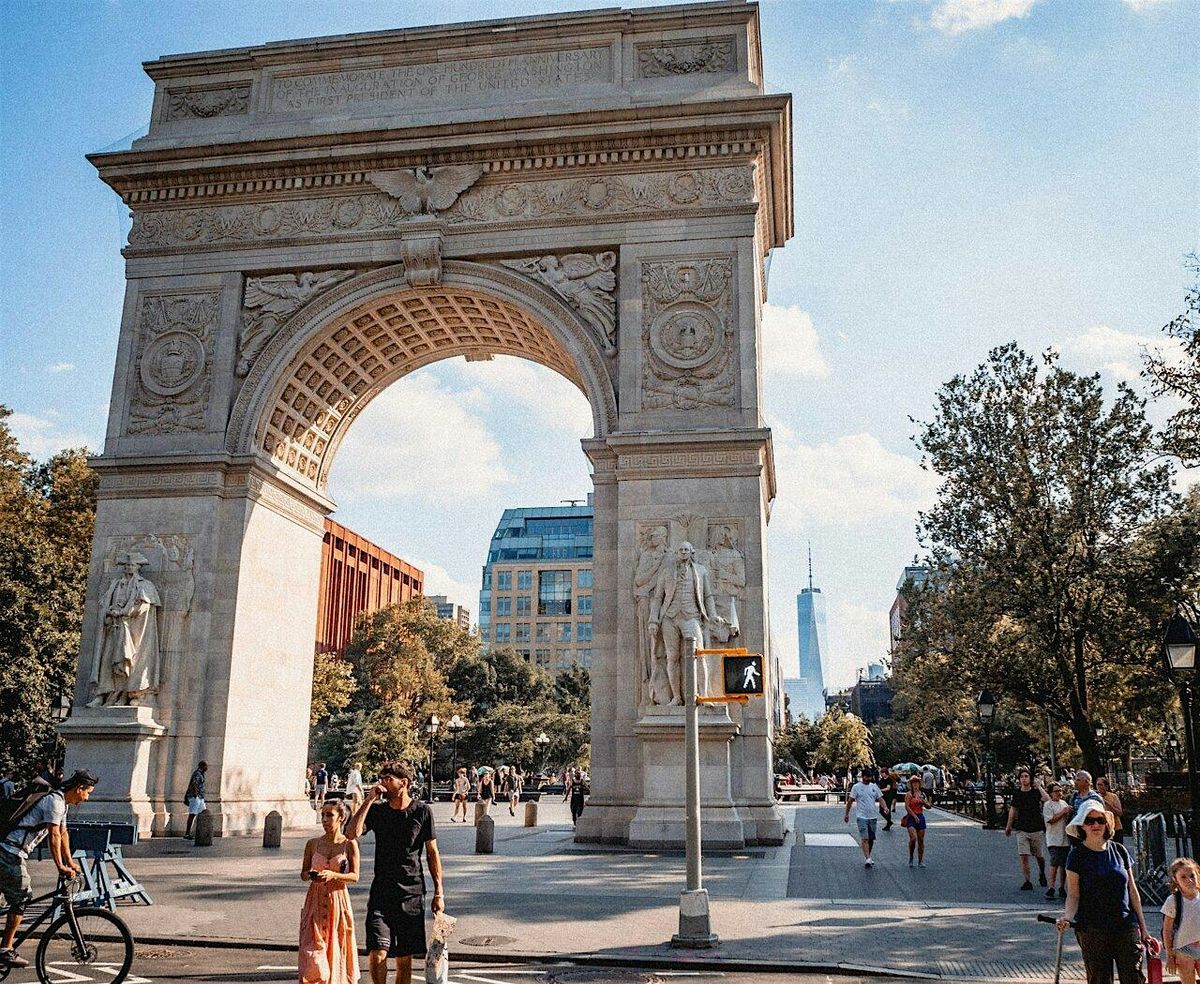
{"x":965,"y":173}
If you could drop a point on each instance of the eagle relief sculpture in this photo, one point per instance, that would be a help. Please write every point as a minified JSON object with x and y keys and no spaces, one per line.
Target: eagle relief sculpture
{"x":427,"y":190}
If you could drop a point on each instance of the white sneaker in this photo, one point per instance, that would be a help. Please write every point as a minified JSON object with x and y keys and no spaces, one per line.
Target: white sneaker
{"x":870,"y":863}
{"x":921,"y":864}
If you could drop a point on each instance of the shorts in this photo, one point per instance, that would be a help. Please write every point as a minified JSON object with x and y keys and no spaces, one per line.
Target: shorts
{"x":866,"y":829}
{"x":460,"y":798}
{"x":1031,"y":842}
{"x":397,"y":925}
{"x":196,"y":806}
{"x":915,"y":822}
{"x":1058,"y":856}
{"x":15,"y":885}
{"x":1190,"y":950}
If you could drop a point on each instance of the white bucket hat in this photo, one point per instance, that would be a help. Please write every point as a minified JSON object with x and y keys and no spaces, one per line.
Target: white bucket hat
{"x":1087,"y":807}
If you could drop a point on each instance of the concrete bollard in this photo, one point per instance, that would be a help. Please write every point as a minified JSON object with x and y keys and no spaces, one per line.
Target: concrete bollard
{"x":481,"y":809}
{"x":273,"y":829}
{"x":485,"y":834}
{"x":531,"y":813}
{"x":203,"y":829}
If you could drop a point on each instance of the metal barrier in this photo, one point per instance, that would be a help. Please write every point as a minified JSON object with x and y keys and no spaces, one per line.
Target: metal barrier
{"x":97,"y":846}
{"x":1158,"y":839}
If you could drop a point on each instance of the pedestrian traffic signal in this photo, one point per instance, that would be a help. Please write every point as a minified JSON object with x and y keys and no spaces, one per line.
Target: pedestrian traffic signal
{"x":743,"y":675}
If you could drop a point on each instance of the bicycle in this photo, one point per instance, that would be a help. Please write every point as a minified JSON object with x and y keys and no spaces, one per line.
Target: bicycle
{"x":83,"y":936}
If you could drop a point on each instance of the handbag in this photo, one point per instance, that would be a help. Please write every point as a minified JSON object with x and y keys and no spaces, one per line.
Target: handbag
{"x":904,"y":820}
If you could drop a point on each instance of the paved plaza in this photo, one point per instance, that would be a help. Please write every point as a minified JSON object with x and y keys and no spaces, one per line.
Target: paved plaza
{"x":809,"y":905}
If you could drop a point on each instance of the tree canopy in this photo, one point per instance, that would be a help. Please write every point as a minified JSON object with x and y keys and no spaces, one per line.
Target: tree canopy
{"x":1180,"y":378}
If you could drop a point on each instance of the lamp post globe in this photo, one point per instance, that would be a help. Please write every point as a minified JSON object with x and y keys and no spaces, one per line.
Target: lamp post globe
{"x":1179,"y":653}
{"x":985,"y":708}
{"x":543,"y":742}
{"x":454,"y":725}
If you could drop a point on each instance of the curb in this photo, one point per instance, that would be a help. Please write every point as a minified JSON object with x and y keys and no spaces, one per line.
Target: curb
{"x":651,"y":962}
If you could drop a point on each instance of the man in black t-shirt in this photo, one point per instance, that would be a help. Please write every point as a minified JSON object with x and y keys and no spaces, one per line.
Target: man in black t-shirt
{"x":396,"y":905}
{"x":1025,"y":816}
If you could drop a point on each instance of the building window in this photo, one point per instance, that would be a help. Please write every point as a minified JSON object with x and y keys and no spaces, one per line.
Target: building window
{"x":503,"y":580}
{"x":563,"y":658}
{"x":584,"y":578}
{"x":543,"y":632}
{"x":485,"y":633}
{"x":583,"y":632}
{"x":503,"y":607}
{"x":564,"y":632}
{"x":543,"y":658}
{"x":554,"y":592}
{"x":524,"y":654}
{"x":504,"y":632}
{"x":487,"y":578}
{"x":584,"y":656}
{"x":524,"y":605}
{"x":522,"y":632}
{"x":583,"y":605}
{"x":524,"y":580}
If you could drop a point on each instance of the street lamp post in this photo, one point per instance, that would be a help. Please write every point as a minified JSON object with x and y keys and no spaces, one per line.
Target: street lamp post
{"x":1101,"y":733}
{"x":455,"y":725}
{"x":431,"y":729}
{"x":1179,"y":648}
{"x":985,"y":707}
{"x":1172,"y":752}
{"x":543,"y":742}
{"x":60,"y":710}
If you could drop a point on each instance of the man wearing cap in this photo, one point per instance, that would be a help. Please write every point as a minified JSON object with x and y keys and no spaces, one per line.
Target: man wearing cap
{"x":48,"y":815}
{"x":396,"y":905}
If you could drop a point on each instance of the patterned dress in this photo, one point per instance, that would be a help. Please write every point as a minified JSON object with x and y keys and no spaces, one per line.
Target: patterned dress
{"x":328,"y":952}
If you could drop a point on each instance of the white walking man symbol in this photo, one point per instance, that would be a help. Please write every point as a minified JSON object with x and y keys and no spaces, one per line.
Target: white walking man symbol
{"x":748,"y":678}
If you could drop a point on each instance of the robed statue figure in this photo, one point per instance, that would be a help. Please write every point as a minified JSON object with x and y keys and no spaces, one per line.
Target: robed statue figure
{"x":127,"y":658}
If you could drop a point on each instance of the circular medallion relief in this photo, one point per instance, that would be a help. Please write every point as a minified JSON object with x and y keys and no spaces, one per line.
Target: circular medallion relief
{"x":686,"y":335}
{"x":171,"y":363}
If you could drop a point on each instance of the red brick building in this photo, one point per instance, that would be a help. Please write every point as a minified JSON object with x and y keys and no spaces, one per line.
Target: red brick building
{"x":357,"y":576}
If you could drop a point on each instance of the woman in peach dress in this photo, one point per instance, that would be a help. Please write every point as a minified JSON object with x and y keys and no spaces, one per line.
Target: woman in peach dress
{"x":328,"y":952}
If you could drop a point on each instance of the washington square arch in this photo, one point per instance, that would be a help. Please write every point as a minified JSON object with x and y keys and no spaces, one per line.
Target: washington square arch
{"x":597,"y":192}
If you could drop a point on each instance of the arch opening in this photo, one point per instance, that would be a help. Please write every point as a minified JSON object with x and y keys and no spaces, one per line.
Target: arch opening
{"x":334,"y":357}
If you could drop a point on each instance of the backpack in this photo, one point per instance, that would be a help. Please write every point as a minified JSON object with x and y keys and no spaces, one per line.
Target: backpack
{"x":23,"y":808}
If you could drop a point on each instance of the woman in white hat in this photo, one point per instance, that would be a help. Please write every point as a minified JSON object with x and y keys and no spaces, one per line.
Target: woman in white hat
{"x":1103,"y":901}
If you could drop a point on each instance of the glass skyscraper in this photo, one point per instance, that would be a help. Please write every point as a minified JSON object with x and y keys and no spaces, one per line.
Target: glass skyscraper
{"x":537,"y":586}
{"x":814,"y":650}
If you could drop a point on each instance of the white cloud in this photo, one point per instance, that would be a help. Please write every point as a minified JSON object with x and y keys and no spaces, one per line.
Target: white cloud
{"x":858,"y":635}
{"x":1140,"y":5}
{"x":509,"y":382}
{"x":954,"y":17}
{"x":1117,"y":352}
{"x":60,"y":367}
{"x":44,"y":437}
{"x":790,"y":343}
{"x":851,"y":480}
{"x":419,"y":438}
{"x":439,"y":581}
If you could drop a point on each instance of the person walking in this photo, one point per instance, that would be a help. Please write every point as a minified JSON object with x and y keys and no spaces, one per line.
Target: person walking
{"x":40,"y":815}
{"x":459,"y":793}
{"x":914,"y":819}
{"x":510,"y":788}
{"x":928,"y":784}
{"x":322,"y":784}
{"x":1025,"y":816}
{"x":487,"y":790}
{"x":1112,"y":803}
{"x":1056,"y":813}
{"x":1181,"y":920}
{"x":577,"y":792}
{"x":1103,"y":900}
{"x":887,"y":786}
{"x":328,"y":951}
{"x":355,"y":790}
{"x":866,"y":799}
{"x":403,"y":827}
{"x":194,"y":796}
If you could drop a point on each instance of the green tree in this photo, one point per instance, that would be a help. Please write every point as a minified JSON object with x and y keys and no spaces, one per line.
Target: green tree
{"x":573,"y":691}
{"x":47,"y":513}
{"x":793,"y":744}
{"x":333,"y":687}
{"x":1036,"y":543}
{"x":505,"y":735}
{"x":845,"y":742}
{"x":1180,"y":377}
{"x":499,"y":676}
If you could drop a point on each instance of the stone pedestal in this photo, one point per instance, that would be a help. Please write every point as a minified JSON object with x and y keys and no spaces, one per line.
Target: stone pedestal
{"x":659,"y":821}
{"x":116,"y":743}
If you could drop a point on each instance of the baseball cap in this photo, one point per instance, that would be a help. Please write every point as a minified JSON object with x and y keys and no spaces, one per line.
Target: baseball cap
{"x":81,"y":777}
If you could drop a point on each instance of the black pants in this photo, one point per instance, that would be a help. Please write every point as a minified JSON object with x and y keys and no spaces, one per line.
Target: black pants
{"x":1101,"y":949}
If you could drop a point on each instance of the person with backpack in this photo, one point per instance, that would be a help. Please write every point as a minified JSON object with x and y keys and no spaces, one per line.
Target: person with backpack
{"x":1181,"y":920}
{"x":42,"y":814}
{"x":1103,"y":900}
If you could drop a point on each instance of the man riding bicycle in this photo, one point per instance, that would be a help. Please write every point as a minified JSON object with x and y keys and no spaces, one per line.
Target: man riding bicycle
{"x":46,"y":816}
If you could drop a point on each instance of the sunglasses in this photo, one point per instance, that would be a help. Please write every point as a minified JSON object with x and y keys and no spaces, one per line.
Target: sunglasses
{"x":1094,"y":822}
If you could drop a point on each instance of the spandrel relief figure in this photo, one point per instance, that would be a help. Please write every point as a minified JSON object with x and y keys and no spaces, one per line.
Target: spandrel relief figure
{"x":127,"y":656}
{"x":681,"y":605}
{"x":652,"y":550}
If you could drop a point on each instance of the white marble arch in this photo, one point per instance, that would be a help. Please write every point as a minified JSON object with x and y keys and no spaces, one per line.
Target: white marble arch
{"x":643,"y":144}
{"x":567,"y":346}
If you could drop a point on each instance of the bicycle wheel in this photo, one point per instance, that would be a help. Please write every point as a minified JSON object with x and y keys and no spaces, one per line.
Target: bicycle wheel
{"x":104,"y":947}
